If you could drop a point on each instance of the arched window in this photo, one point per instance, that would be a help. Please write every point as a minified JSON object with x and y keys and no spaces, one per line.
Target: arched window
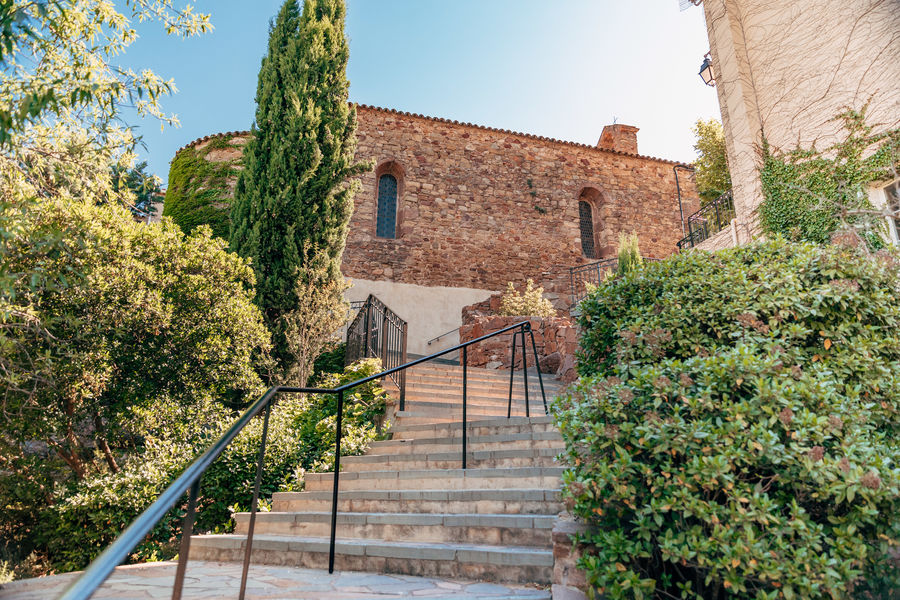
{"x":386,"y":217}
{"x":586,"y":220}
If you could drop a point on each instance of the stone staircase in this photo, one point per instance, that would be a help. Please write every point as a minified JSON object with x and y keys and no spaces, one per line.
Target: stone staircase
{"x":407,"y":507}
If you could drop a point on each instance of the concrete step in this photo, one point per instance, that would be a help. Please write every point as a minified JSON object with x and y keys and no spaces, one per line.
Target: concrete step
{"x":463,"y":561}
{"x":524,"y":457}
{"x":475,"y":427}
{"x":493,"y":529}
{"x":450,"y":479}
{"x":478,"y":501}
{"x":510,"y":441}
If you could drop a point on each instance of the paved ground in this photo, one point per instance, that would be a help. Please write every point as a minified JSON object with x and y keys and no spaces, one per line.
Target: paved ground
{"x":208,"y":580}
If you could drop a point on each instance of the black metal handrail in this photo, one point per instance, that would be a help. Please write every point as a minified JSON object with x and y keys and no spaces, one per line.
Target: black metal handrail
{"x":591,"y":274}
{"x":379,"y":332}
{"x":189,"y":480}
{"x":708,"y":221}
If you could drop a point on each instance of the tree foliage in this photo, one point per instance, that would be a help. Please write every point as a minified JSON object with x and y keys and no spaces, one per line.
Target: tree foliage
{"x":293,"y":199}
{"x":711,"y":167}
{"x":735,"y":430}
{"x":59,"y":60}
{"x":811,"y":193}
{"x":109,"y":315}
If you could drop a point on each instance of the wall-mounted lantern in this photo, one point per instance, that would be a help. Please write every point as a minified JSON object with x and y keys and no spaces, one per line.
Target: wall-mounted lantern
{"x":706,"y":72}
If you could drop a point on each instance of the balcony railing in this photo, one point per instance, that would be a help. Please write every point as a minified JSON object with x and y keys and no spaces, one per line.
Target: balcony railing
{"x":591,"y":274}
{"x":708,"y":221}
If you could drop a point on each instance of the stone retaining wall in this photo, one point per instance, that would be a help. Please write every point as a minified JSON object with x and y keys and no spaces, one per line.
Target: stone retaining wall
{"x":554,"y":337}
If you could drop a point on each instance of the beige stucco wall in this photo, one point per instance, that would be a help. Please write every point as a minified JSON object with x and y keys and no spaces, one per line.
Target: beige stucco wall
{"x":785,"y":68}
{"x":428,"y":311}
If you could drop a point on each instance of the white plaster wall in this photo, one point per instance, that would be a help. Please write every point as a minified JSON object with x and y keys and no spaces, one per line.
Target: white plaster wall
{"x":429,"y":311}
{"x":785,"y":68}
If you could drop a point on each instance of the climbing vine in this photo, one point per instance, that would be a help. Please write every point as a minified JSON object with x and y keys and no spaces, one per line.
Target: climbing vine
{"x":199,"y":192}
{"x":810,"y":194}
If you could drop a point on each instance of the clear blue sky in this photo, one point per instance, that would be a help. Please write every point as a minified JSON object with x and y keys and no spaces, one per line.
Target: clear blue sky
{"x":561,"y":69}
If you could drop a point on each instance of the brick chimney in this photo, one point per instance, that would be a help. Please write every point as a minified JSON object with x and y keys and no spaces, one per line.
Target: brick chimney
{"x":621,"y":138}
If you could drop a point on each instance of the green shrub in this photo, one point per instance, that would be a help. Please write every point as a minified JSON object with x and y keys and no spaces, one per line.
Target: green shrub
{"x":85,"y":517}
{"x":331,"y":360}
{"x":530,"y":302}
{"x":735,"y":429}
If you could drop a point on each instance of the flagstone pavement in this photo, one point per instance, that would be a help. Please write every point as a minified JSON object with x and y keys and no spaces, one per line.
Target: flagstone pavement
{"x":209,"y":580}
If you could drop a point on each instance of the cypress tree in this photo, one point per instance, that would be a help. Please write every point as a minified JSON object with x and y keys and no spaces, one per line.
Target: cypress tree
{"x":294,"y":197}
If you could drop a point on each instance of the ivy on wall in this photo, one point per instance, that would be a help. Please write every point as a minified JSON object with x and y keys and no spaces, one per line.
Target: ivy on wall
{"x":199,"y":191}
{"x":810,"y":194}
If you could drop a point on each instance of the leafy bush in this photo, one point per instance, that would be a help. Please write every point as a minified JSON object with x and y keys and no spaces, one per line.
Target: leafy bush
{"x":85,"y":518}
{"x":529,"y":303}
{"x":330,"y":360}
{"x":735,"y":429}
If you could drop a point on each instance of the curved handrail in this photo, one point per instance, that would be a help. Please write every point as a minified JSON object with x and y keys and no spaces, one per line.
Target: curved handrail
{"x":102,"y":566}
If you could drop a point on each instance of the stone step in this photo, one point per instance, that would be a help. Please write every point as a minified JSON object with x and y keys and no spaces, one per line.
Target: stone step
{"x":462,"y":561}
{"x":492,"y":529}
{"x":493,"y":376}
{"x":409,"y":419}
{"x":474,"y":427}
{"x":417,"y":415}
{"x":473,"y":405}
{"x":500,"y":385}
{"x":451,"y":479}
{"x":510,"y":441}
{"x":478,"y":501}
{"x":525,"y":457}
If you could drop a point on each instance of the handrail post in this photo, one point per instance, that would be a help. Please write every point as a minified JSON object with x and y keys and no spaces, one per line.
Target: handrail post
{"x":253,"y":507}
{"x":186,"y":531}
{"x":512,"y":371}
{"x":465,"y":382}
{"x":337,"y":473}
{"x":403,"y":332}
{"x":540,"y":377}
{"x":525,"y":368}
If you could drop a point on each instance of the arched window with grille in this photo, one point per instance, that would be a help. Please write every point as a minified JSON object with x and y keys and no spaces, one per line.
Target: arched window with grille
{"x":586,"y":220}
{"x":386,"y":216}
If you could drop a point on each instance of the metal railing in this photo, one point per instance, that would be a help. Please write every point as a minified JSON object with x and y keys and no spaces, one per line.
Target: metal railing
{"x":189,"y":480}
{"x":379,"y":332}
{"x":592,"y":274}
{"x":708,"y":221}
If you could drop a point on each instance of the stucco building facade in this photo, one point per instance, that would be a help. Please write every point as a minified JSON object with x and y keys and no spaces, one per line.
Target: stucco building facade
{"x":784,"y":70}
{"x":453,"y":211}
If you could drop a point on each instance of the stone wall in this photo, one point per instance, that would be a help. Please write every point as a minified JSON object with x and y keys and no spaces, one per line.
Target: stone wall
{"x":569,"y":582}
{"x":479,"y":207}
{"x":727,"y":238}
{"x":554,"y":337}
{"x":784,"y":69}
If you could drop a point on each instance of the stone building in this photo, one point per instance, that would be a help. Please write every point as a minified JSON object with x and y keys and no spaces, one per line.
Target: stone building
{"x":453,"y":211}
{"x":784,"y":69}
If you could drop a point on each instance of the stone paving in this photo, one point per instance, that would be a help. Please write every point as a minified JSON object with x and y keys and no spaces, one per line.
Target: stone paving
{"x":209,"y":580}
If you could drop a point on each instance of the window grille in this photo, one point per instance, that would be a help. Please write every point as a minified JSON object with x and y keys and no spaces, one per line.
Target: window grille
{"x":587,"y":228}
{"x":386,"y":219}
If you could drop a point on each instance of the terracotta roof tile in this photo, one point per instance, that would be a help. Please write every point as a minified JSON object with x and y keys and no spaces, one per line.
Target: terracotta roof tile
{"x":463,"y":124}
